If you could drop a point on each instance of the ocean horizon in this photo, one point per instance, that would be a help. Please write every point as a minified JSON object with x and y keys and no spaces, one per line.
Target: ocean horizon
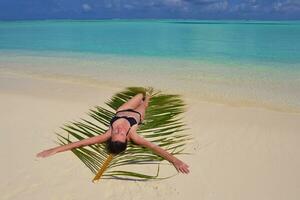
{"x":252,"y":63}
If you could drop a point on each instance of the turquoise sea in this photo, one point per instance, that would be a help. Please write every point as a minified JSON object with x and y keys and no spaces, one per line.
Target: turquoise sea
{"x":254,"y":63}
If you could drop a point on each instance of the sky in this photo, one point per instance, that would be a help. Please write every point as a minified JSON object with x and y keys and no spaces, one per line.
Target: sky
{"x":150,"y":9}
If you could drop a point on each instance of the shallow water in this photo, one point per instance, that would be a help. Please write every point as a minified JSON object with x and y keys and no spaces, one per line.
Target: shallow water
{"x":239,"y":63}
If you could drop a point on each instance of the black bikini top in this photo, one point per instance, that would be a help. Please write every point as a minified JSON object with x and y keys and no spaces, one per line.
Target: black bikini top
{"x":132,"y":121}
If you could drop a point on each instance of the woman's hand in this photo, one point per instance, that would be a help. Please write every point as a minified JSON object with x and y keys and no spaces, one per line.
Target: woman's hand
{"x":47,"y":153}
{"x":178,"y":164}
{"x":181,"y":166}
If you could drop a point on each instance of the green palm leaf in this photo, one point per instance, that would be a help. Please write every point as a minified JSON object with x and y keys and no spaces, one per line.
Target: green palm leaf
{"x":163,"y":126}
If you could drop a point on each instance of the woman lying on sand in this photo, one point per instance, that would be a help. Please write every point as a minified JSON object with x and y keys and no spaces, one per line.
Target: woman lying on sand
{"x":123,"y":128}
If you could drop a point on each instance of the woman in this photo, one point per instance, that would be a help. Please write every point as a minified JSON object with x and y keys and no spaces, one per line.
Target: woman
{"x":123,"y":128}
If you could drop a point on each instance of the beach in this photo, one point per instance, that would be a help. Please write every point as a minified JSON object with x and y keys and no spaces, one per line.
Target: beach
{"x":237,"y":152}
{"x":239,"y":80}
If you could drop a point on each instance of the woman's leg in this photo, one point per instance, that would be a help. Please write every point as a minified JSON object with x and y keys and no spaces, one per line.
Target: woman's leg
{"x":132,"y":103}
{"x":142,"y":107}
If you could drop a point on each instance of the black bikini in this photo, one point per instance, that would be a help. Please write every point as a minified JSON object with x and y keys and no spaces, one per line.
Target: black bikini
{"x":132,"y":121}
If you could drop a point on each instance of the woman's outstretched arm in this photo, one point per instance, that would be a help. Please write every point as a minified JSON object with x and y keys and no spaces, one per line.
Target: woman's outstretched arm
{"x":89,"y":141}
{"x":178,"y":164}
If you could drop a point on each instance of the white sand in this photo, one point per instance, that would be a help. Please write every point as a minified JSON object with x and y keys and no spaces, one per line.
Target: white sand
{"x":238,"y":153}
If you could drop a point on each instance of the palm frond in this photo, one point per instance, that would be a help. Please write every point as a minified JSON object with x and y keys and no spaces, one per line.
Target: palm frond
{"x":163,"y":125}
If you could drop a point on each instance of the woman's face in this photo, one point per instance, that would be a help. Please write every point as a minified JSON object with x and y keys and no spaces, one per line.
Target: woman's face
{"x":119,"y":134}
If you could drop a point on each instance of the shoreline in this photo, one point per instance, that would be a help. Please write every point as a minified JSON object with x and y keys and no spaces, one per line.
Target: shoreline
{"x":205,"y":96}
